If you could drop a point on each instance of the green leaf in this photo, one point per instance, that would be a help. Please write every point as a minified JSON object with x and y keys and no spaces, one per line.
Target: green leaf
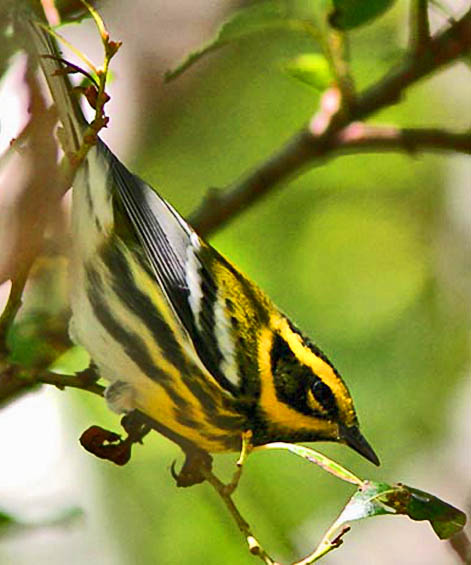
{"x":445,"y":519}
{"x":378,"y":499}
{"x":349,"y":14}
{"x":366,"y":502}
{"x":375,"y":499}
{"x":310,"y":68}
{"x":71,"y":362}
{"x":252,"y":19}
{"x":312,"y":456}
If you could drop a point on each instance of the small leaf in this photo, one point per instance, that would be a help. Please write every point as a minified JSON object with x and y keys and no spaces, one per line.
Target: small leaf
{"x":255,"y":18}
{"x":349,"y":14}
{"x":71,"y":362}
{"x":310,"y":68}
{"x":375,"y":499}
{"x":366,"y":503}
{"x":446,"y":520}
{"x":312,"y":456}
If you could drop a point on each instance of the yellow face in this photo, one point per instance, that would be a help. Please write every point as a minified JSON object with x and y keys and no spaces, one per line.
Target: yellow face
{"x":302,"y":397}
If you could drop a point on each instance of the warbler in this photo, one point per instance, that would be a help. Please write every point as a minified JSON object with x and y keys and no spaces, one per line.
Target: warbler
{"x":176,"y":329}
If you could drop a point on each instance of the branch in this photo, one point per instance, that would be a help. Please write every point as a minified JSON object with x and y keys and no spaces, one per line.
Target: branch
{"x":301,"y":152}
{"x":444,"y":48}
{"x":328,"y":129}
{"x":419,"y":24}
{"x":15,"y":380}
{"x":361,"y":137}
{"x":86,"y":380}
{"x":254,"y":546}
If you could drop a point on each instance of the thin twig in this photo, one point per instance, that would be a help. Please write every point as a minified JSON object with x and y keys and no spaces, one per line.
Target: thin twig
{"x":254,"y":546}
{"x":325,"y":548}
{"x":84,"y":381}
{"x":15,"y":379}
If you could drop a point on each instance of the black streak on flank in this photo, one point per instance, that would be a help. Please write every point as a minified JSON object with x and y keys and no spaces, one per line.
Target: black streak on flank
{"x":233,"y":422}
{"x":202,"y":394}
{"x":224,"y":439}
{"x":185,"y":418}
{"x":140,"y":304}
{"x":132,"y":344}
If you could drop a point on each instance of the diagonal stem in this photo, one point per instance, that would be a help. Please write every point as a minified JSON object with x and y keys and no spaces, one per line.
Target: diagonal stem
{"x":310,"y":147}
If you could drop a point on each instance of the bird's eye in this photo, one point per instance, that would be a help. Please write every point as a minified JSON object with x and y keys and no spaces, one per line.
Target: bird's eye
{"x":324,"y":396}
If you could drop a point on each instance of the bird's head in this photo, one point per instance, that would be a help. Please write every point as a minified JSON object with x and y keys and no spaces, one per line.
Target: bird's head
{"x":302,"y":396}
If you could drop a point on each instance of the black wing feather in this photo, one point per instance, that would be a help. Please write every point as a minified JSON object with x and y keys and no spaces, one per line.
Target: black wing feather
{"x":166,"y":237}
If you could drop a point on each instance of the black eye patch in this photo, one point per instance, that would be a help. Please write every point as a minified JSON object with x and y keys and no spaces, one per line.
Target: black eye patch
{"x":324,"y":396}
{"x":293,"y":380}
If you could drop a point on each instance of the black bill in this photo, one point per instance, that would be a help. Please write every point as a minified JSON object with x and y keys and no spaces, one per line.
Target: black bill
{"x":353,"y":438}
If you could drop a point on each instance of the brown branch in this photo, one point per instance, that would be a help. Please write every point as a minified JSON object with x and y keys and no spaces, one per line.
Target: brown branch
{"x":16,"y":380}
{"x":419,"y":25}
{"x":322,"y":137}
{"x":221,"y":489}
{"x":301,"y":152}
{"x":86,"y":380}
{"x":361,"y":137}
{"x":12,"y":386}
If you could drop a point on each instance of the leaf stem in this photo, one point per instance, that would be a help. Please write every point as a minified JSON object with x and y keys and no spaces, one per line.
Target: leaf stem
{"x":221,"y":489}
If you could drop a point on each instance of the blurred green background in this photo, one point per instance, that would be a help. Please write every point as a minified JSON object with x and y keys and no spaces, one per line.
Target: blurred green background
{"x":366,"y":253}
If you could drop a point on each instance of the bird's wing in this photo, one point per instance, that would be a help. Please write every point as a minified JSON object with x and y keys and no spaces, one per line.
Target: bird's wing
{"x":201,"y":287}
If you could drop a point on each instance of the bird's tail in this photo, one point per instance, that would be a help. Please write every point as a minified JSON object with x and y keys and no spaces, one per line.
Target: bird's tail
{"x":68,"y":108}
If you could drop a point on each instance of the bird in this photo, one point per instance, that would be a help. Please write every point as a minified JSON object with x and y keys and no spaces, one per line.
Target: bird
{"x":176,"y":329}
